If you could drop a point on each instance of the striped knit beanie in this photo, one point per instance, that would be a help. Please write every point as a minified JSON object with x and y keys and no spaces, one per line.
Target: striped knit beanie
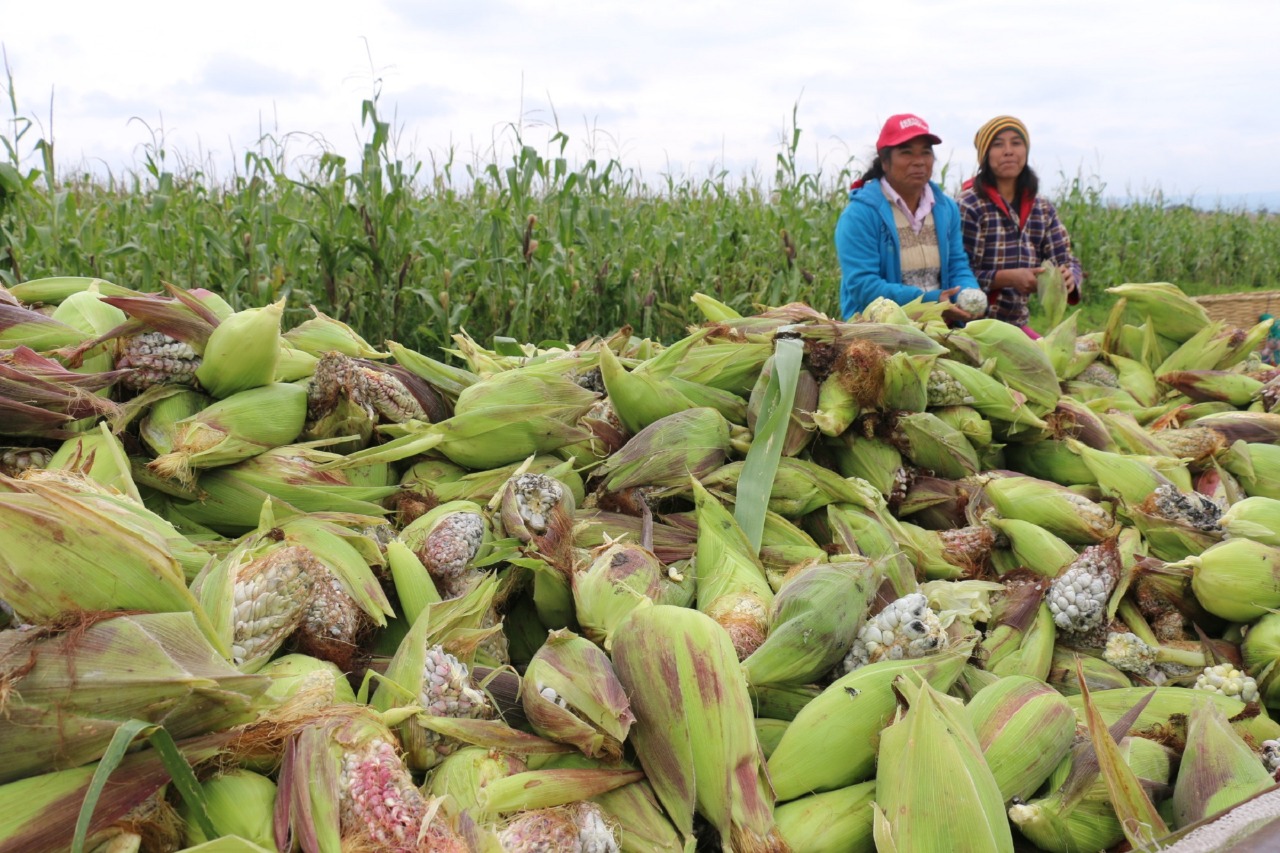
{"x":987,"y":134}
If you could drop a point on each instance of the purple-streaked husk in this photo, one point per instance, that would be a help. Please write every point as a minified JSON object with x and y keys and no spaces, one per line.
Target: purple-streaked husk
{"x":586,"y":705}
{"x":694,"y":732}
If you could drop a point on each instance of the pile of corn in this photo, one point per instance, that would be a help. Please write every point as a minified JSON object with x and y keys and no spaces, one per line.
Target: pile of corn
{"x":785,"y":584}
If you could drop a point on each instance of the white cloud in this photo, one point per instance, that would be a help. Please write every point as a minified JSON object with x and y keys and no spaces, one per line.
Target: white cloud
{"x":1175,"y":94}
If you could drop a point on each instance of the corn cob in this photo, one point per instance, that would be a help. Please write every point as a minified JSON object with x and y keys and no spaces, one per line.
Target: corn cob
{"x":846,"y":720}
{"x":242,"y":351}
{"x":1237,"y":579}
{"x":1024,"y":728}
{"x":447,"y":539}
{"x":573,"y":696}
{"x":580,"y":826}
{"x":732,"y":588}
{"x":1224,"y":678}
{"x":233,"y":429}
{"x":698,"y":755}
{"x":1068,"y":515}
{"x":1078,"y":814}
{"x":66,"y":692}
{"x":344,"y":786}
{"x":814,"y":619}
{"x":854,"y":383}
{"x":258,"y":596}
{"x":1218,"y":769}
{"x":240,"y":803}
{"x":1078,"y":597}
{"x":933,"y":739}
{"x":837,"y":821}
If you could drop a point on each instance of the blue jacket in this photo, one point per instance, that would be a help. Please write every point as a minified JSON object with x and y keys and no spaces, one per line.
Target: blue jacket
{"x":871,"y":257}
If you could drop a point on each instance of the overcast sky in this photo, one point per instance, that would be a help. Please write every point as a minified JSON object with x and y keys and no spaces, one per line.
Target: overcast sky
{"x":1181,"y":96}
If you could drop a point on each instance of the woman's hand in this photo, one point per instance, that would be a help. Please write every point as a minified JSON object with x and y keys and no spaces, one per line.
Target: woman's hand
{"x":951,"y":313}
{"x":1068,"y":278}
{"x":1020,"y":279}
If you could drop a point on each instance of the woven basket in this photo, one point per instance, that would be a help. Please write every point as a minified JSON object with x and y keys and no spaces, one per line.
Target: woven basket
{"x":1242,"y":310}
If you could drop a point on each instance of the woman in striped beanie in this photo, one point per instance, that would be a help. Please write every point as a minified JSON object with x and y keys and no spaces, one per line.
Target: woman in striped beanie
{"x":1010,"y":231}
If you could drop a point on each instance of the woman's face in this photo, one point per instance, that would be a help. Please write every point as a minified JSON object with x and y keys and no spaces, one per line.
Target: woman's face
{"x":909,"y":166}
{"x":1008,"y":154}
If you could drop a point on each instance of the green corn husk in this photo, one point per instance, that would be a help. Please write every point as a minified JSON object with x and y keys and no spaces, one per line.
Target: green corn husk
{"x":233,"y":429}
{"x":55,"y":289}
{"x":640,"y":397}
{"x":293,"y":674}
{"x":693,"y":442}
{"x":731,"y":367}
{"x":1169,"y":702}
{"x":240,"y":803}
{"x":1025,"y":729}
{"x":837,"y":821}
{"x":1051,"y":460}
{"x":464,"y":775}
{"x":1205,"y":348}
{"x":22,"y":327}
{"x":906,"y":382}
{"x":1035,"y":548}
{"x":1136,"y":378}
{"x":1238,"y":389}
{"x":158,"y":426}
{"x":1019,"y":362}
{"x":799,"y":486}
{"x":1070,"y":516}
{"x":931,"y":444}
{"x":1080,"y":818}
{"x":1256,"y":518}
{"x":932,"y":740}
{"x":769,"y":732}
{"x":1176,"y":315}
{"x":87,"y":312}
{"x":1051,"y":288}
{"x":86,"y":682}
{"x":970,"y":422}
{"x":1237,"y":579}
{"x":1218,"y":769}
{"x":698,"y":755}
{"x":1256,"y":466}
{"x":587,"y":707}
{"x":991,"y":396}
{"x":242,"y":351}
{"x":294,"y":476}
{"x":621,"y":577}
{"x":68,"y":551}
{"x":1260,"y":652}
{"x":813,"y":622}
{"x":870,"y":459}
{"x":800,"y":425}
{"x":1130,"y":477}
{"x":322,"y":334}
{"x":845,"y":720}
{"x":1100,"y":676}
{"x":732,"y":587}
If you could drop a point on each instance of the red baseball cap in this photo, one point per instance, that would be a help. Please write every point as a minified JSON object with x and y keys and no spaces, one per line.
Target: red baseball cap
{"x":902,"y":128}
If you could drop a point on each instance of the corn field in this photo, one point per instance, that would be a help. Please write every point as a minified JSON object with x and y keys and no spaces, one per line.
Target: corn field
{"x":532,"y":246}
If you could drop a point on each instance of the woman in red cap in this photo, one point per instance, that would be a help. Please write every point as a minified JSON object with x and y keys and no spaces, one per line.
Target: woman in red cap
{"x":1010,"y":231}
{"x":899,"y":237}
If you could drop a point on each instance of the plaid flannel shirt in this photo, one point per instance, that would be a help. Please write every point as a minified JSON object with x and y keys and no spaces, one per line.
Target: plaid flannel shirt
{"x":995,"y":239}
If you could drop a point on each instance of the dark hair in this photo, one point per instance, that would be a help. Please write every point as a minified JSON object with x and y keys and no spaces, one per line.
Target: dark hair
{"x":1028,"y":182}
{"x":876,"y":169}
